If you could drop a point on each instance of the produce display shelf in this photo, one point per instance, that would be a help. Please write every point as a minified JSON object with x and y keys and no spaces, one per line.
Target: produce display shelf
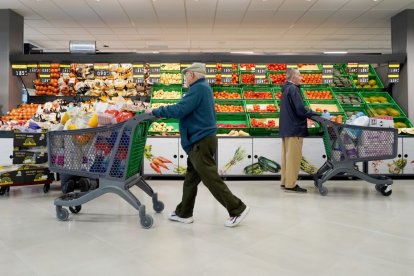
{"x":232,"y":103}
{"x":264,"y":130}
{"x":232,"y":119}
{"x":405,"y":120}
{"x":257,"y":89}
{"x":166,"y":102}
{"x":315,"y":89}
{"x":385,"y":95}
{"x":167,"y":122}
{"x":166,"y":89}
{"x":325,"y":102}
{"x":349,"y":99}
{"x":351,"y":110}
{"x":249,"y":105}
{"x":373,"y":110}
{"x":229,"y":89}
{"x":371,"y":78}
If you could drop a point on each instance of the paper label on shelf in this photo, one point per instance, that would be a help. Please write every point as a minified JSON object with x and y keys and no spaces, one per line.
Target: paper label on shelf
{"x":65,"y":68}
{"x":32,"y":68}
{"x":19,"y":70}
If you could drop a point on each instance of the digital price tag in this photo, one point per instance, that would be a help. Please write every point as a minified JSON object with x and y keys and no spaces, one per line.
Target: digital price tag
{"x":327,"y":69}
{"x":327,"y":79}
{"x":44,"y":78}
{"x":65,"y":68}
{"x":226,"y":78}
{"x":211,"y":79}
{"x":19,"y":69}
{"x":32,"y":68}
{"x":138,"y":78}
{"x":363,"y":69}
{"x":154,"y":78}
{"x":44,"y":68}
{"x":211,"y":68}
{"x":101,"y":69}
{"x":260,"y":79}
{"x":227,"y":68}
{"x":261,"y":69}
{"x":363,"y":78}
{"x":155,"y":68}
{"x":393,"y":72}
{"x":138,"y":69}
{"x":353,"y":68}
{"x":393,"y":78}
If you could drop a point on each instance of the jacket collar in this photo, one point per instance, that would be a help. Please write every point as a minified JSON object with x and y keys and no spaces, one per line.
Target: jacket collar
{"x":198,"y":81}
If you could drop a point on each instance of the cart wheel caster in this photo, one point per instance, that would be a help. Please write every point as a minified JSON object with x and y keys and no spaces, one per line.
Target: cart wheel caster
{"x":46,"y":188}
{"x":323,"y":191}
{"x":3,"y":190}
{"x":62,"y":214}
{"x":316,"y":183}
{"x":75,"y":209}
{"x":386,"y":190}
{"x":146,"y":221}
{"x":158,"y":206}
{"x":378,"y":187}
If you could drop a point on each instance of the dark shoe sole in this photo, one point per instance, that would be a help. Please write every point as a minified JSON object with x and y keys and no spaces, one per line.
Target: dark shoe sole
{"x":296,"y":191}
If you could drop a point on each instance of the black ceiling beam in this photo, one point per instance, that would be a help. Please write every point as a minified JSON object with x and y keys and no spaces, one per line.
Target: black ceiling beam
{"x":207,"y":57}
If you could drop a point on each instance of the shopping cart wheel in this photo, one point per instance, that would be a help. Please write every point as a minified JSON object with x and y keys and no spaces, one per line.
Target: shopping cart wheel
{"x":386,"y":190}
{"x":46,"y":188}
{"x":158,"y":206}
{"x":4,"y":190}
{"x":323,"y":191}
{"x":75,"y":209}
{"x":61,"y":213}
{"x":146,"y":221}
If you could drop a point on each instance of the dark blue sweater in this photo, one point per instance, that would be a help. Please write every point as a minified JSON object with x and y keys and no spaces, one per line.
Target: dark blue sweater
{"x":293,"y":114}
{"x":196,"y":113}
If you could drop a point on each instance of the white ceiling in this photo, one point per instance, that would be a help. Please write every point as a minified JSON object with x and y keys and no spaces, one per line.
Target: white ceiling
{"x":277,"y":26}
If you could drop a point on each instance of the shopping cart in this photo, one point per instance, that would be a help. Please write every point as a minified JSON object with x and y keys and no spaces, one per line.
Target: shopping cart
{"x":113,"y":154}
{"x":347,"y":144}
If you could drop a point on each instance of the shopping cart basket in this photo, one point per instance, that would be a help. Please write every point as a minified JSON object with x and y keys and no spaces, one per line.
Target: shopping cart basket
{"x":347,"y":144}
{"x":113,"y":154}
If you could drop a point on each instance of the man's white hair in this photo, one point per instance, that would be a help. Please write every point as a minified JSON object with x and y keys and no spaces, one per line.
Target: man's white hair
{"x":199,"y":75}
{"x":291,"y":72}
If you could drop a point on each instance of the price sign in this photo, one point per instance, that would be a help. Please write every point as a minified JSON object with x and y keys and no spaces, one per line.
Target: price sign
{"x":353,"y":68}
{"x":44,"y":68}
{"x":211,"y":68}
{"x":44,"y":78}
{"x":393,"y":78}
{"x":139,"y":78}
{"x":211,"y":79}
{"x":363,"y":69}
{"x":327,"y":79}
{"x":226,"y":78}
{"x":261,"y":69}
{"x":292,"y":66}
{"x":363,"y":78}
{"x":227,"y":68}
{"x":32,"y":68}
{"x":155,"y":68}
{"x":19,"y":69}
{"x":65,"y":68}
{"x":137,"y":69}
{"x":327,"y":69}
{"x":154,"y":78}
{"x":393,"y":72}
{"x":260,"y":79}
{"x":101,"y":69}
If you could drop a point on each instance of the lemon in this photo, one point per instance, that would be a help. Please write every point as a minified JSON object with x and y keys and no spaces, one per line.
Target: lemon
{"x":93,"y":121}
{"x":72,"y":127}
{"x":65,"y":118}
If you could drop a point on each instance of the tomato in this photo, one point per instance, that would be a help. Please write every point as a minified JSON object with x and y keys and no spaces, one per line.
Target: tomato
{"x":112,"y":112}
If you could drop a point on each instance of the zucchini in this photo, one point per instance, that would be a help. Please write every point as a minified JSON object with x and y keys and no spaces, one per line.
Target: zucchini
{"x":268,"y":165}
{"x":253,"y":169}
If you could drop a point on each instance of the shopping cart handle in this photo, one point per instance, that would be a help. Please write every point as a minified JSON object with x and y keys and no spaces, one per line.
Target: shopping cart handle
{"x":321,"y":120}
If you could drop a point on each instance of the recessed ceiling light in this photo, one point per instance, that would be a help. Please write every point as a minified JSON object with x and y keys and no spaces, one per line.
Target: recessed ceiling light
{"x":155,"y":52}
{"x":243,"y":53}
{"x":336,"y":52}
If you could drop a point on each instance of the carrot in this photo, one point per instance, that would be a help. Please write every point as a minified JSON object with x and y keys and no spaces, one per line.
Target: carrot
{"x":159,"y":163}
{"x":164,"y":160}
{"x":155,"y":168}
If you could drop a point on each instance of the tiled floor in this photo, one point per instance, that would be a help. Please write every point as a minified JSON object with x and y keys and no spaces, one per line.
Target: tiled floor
{"x":352,"y":231}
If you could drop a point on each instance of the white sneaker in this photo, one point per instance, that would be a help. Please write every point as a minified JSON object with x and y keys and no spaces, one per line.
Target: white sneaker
{"x":234,"y":221}
{"x":174,"y":217}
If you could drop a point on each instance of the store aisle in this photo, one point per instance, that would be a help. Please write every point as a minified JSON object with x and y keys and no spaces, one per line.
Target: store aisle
{"x":352,"y":231}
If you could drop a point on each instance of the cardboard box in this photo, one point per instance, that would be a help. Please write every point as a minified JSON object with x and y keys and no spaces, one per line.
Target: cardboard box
{"x":29,"y":139}
{"x":29,"y":157}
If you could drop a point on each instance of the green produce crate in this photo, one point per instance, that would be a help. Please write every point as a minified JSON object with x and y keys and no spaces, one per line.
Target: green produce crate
{"x":386,"y":95}
{"x":304,"y":89}
{"x":248,"y":88}
{"x":168,"y":122}
{"x":338,"y":83}
{"x":319,"y":70}
{"x":275,"y":73}
{"x":168,"y":88}
{"x":263,"y":131}
{"x":231,"y":102}
{"x":315,"y":130}
{"x":355,"y":109}
{"x":169,"y":102}
{"x":241,"y":76}
{"x":235,"y":119}
{"x":371,"y":72}
{"x":175,"y":71}
{"x":371,"y":77}
{"x":325,"y":102}
{"x":373,"y":107}
{"x":355,"y":96}
{"x":250,"y":103}
{"x":277,"y":92}
{"x":404,"y":120}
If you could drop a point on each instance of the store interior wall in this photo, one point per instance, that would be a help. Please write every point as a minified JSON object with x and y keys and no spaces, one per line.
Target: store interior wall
{"x":11,"y":42}
{"x":402,"y":41}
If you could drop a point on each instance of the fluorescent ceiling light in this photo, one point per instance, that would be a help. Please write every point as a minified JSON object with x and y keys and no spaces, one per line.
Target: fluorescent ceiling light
{"x":243,"y":53}
{"x":336,"y":52}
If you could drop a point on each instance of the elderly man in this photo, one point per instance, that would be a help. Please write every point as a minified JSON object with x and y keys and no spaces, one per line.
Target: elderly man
{"x":292,"y":129}
{"x":198,"y":129}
